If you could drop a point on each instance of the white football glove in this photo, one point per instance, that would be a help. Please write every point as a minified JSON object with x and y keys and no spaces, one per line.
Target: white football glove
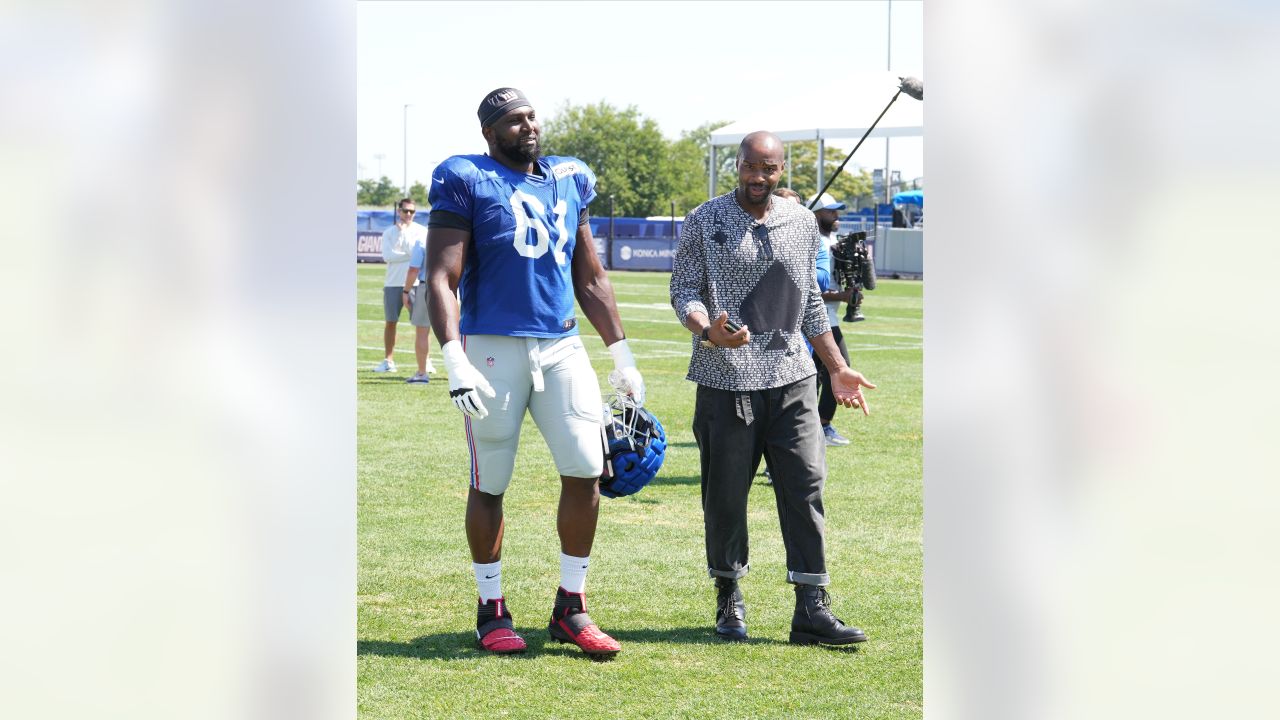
{"x":625,"y":377}
{"x":465,"y":380}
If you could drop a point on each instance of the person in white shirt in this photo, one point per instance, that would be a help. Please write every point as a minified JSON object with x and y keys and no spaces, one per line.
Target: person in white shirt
{"x":397,"y":246}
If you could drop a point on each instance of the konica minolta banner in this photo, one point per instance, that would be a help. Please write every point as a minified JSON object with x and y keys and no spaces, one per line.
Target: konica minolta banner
{"x":642,"y":254}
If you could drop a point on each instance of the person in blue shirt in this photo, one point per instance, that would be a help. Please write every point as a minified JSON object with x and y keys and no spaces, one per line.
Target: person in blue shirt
{"x":508,"y":232}
{"x":825,"y":210}
{"x":415,"y":291}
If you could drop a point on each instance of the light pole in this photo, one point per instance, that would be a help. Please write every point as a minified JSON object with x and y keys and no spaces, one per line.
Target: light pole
{"x":888,"y":65}
{"x":788,"y":167}
{"x":406,"y":151}
{"x":379,"y":157}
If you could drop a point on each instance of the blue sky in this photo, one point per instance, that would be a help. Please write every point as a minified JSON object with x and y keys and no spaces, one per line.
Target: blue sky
{"x":680,"y":63}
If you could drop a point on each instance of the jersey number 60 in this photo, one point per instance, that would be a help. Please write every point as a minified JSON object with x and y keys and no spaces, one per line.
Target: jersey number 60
{"x":531,"y":213}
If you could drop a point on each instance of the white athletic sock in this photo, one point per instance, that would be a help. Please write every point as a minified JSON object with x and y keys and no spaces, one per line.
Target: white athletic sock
{"x":573,"y":573}
{"x":489,"y":580}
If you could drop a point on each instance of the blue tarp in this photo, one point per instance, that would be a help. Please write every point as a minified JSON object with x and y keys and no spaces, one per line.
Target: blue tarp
{"x":909,"y":197}
{"x":377,"y":220}
{"x":886,"y":211}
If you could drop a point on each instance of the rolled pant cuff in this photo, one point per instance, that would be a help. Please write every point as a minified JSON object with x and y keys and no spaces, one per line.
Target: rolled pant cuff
{"x":799,"y":578}
{"x":731,"y":574}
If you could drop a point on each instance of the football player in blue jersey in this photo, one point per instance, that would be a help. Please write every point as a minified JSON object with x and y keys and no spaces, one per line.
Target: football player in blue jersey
{"x":508,"y":234}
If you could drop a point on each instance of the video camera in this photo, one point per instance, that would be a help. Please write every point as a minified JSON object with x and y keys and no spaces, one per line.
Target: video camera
{"x":855,"y":270}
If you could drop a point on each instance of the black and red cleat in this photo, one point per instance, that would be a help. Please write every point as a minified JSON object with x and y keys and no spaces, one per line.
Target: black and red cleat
{"x":571,"y":624}
{"x":495,"y":631}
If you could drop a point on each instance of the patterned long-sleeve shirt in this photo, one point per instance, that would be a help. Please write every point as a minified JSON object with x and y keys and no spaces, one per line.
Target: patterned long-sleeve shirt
{"x":761,"y":274}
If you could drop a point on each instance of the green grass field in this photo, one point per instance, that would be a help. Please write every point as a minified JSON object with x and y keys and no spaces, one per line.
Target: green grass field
{"x":648,"y":585}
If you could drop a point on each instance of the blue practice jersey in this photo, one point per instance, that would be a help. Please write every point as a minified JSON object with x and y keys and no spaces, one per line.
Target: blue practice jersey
{"x":418,"y":259}
{"x":825,"y":268}
{"x":517,"y":278}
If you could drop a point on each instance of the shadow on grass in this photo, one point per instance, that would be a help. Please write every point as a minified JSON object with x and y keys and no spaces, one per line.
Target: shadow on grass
{"x":687,"y":636}
{"x":644,"y":499}
{"x":440,"y":646}
{"x":677,"y":480}
{"x":393,"y":380}
{"x":462,"y":645}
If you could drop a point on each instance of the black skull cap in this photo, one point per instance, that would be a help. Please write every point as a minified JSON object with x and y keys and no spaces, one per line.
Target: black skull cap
{"x":499,"y":103}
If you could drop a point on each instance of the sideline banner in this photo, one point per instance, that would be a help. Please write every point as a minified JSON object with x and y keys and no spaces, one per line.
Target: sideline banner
{"x":643,"y":254}
{"x":368,"y":246}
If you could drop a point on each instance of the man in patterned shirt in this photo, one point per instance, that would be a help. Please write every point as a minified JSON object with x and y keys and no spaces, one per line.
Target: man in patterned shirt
{"x":747,"y":260}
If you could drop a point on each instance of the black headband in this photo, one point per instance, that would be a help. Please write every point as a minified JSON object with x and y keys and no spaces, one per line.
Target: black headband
{"x":499,"y":103}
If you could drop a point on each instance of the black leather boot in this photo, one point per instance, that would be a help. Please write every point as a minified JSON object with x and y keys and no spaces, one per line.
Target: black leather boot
{"x":731,"y":610}
{"x":813,"y":622}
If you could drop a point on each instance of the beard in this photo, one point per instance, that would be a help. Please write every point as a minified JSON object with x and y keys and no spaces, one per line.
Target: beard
{"x":517,"y":152}
{"x":744,"y":195}
{"x":826,"y":227}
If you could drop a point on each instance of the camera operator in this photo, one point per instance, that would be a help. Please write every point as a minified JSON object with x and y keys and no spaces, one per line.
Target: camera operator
{"x":828,"y":223}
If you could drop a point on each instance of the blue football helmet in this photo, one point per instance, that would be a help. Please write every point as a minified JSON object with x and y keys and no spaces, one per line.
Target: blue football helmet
{"x":634,"y":446}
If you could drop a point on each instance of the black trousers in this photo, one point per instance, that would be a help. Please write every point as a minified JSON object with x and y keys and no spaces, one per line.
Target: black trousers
{"x":827,"y":396}
{"x":733,"y":431}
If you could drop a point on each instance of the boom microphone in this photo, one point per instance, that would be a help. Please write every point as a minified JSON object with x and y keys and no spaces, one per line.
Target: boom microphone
{"x":913,"y":87}
{"x":909,"y":85}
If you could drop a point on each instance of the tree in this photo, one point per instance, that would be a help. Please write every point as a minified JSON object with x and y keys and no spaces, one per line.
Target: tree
{"x":690,"y":158}
{"x":691,"y":154}
{"x":852,"y":187}
{"x":379,"y":192}
{"x":418,"y":192}
{"x":626,"y":151}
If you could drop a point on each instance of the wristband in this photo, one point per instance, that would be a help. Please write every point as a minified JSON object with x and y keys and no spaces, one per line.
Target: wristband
{"x":621,"y":353}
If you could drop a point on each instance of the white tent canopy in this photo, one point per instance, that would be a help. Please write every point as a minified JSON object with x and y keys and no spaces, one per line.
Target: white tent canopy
{"x":861,"y":100}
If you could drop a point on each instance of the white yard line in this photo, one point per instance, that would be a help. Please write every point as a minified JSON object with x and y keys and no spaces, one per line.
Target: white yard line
{"x":595,"y":354}
{"x":649,"y":306}
{"x":628,"y":319}
{"x":604,"y":353}
{"x":848,"y":336}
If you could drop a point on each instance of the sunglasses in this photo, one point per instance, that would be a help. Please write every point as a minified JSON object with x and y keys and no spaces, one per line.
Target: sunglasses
{"x":761,"y":233}
{"x":407,"y":210}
